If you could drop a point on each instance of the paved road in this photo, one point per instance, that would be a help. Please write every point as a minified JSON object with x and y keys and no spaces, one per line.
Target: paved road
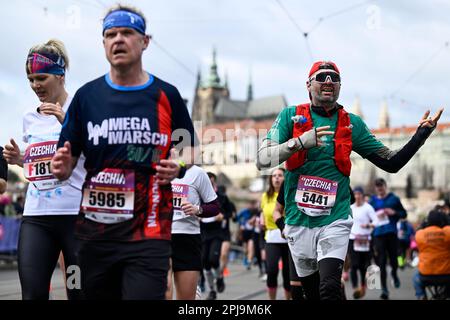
{"x":241,"y":284}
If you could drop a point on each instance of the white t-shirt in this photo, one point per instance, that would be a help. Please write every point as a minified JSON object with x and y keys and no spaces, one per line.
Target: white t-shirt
{"x":362,"y":215}
{"x":196,"y":187}
{"x":274,"y":236}
{"x":46,"y":195}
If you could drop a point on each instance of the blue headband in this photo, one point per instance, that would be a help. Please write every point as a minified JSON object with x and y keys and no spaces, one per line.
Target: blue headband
{"x":123,"y":18}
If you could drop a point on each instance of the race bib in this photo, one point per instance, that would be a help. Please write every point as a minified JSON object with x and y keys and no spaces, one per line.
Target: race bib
{"x":315,"y":196}
{"x":381,"y":219}
{"x":109,"y":196}
{"x":36,"y":165}
{"x":180,"y":196}
{"x":361,"y":243}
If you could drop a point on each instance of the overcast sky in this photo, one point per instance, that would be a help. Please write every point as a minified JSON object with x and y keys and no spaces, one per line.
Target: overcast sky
{"x":387,"y":49}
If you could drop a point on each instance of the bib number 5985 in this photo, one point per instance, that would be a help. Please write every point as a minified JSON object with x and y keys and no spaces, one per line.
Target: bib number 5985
{"x":102,"y":199}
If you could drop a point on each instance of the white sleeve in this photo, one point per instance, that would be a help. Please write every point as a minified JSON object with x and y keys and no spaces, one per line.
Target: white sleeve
{"x":208,"y":220}
{"x":24,"y":129}
{"x":371,"y":213}
{"x":205,"y":187}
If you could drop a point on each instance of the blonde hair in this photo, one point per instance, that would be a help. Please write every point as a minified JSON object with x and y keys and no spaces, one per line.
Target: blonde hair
{"x":125,"y":7}
{"x":53,"y":46}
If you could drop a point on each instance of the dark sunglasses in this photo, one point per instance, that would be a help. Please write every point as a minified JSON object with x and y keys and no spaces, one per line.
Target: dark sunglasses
{"x":323,"y":77}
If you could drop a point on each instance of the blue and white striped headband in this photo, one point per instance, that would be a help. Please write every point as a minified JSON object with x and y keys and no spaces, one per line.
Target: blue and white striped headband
{"x":124,"y":18}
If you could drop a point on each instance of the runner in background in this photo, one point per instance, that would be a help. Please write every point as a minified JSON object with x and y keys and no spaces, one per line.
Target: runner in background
{"x":297,"y":292}
{"x":276,"y":246}
{"x":405,"y":234}
{"x":359,"y":244}
{"x":246,"y":229}
{"x":389,"y":210}
{"x":51,"y":206}
{"x":228,"y":209}
{"x":212,"y":237}
{"x":193,"y":198}
{"x":258,"y":243}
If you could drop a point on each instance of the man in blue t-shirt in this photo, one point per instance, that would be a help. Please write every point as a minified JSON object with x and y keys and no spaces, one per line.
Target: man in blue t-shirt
{"x":389,"y":211}
{"x":125,"y":124}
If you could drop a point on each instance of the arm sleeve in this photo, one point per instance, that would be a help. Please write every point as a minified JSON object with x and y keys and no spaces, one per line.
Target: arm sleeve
{"x":71,"y":128}
{"x":3,"y":166}
{"x":392,"y":161}
{"x":399,"y":209}
{"x":280,"y":197}
{"x":274,"y":150}
{"x":210,"y":209}
{"x":210,"y":204}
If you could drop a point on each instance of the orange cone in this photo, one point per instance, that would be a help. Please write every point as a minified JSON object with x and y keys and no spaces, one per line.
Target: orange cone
{"x":226,"y":272}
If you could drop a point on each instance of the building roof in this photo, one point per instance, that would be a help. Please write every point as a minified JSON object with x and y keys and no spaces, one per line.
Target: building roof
{"x":266,"y":106}
{"x":241,"y":128}
{"x":234,"y":109}
{"x":257,"y":108}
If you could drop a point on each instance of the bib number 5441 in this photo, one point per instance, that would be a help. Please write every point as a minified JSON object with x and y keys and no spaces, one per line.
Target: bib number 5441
{"x":315,"y":198}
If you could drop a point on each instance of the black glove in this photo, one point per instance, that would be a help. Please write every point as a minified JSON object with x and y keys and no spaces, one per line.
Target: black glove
{"x":280,"y":223}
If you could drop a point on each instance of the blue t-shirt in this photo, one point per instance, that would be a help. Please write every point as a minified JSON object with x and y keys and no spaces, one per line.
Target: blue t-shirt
{"x":129,"y":129}
{"x":393,"y":202}
{"x":244,"y":217}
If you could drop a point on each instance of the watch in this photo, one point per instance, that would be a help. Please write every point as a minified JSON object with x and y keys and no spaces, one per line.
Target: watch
{"x":291,"y":144}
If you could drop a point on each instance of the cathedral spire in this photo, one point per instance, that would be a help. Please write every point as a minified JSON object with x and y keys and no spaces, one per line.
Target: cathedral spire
{"x":356,"y":109}
{"x":213,"y":78}
{"x":250,"y":86}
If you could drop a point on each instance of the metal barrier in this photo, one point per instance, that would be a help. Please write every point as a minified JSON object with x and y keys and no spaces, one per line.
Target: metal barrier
{"x":9,"y":237}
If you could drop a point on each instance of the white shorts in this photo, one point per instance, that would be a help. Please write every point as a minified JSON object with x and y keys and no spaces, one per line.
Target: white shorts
{"x":310,"y":245}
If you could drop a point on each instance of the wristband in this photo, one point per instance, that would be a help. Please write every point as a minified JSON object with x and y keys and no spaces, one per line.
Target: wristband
{"x":280,"y":223}
{"x":183,"y":169}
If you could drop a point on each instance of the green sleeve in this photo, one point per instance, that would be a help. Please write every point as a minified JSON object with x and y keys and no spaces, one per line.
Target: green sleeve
{"x":281,"y":130}
{"x":364,"y":142}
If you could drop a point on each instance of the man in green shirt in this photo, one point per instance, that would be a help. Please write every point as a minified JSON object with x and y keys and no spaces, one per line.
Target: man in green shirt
{"x":316,"y":140}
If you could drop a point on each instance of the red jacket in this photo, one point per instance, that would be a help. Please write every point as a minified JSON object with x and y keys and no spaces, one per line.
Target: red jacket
{"x":342,"y":140}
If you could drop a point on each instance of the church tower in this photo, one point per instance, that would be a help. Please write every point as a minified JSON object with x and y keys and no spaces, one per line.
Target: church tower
{"x":208,"y":93}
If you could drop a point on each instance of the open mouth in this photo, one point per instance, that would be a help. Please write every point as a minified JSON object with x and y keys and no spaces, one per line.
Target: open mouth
{"x":119,"y":51}
{"x":327,"y":89}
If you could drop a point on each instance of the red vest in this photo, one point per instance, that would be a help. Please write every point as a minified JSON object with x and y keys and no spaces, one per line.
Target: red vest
{"x":342,"y":140}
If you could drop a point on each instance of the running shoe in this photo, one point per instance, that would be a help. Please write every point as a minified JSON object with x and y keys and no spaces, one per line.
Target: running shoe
{"x":395,"y":281}
{"x":212,"y":295}
{"x":384,"y":295}
{"x":220,"y":285}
